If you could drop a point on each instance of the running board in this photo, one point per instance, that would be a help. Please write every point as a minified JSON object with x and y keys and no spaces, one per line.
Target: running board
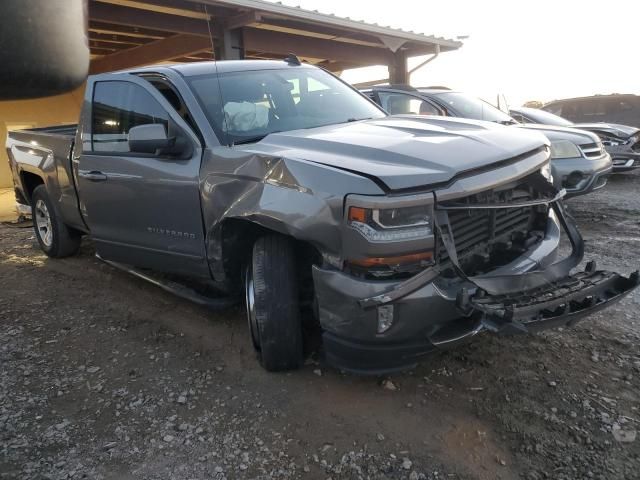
{"x":177,"y":289}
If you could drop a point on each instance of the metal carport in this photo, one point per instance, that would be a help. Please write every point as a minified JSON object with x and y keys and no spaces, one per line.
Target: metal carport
{"x":128,"y":33}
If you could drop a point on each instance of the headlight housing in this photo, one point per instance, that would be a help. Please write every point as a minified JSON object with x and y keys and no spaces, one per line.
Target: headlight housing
{"x":564,"y":149}
{"x":392,"y":224}
{"x":388,"y":236}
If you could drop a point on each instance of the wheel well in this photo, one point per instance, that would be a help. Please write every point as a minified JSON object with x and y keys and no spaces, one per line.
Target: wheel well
{"x":30,"y":181}
{"x":238,"y":237}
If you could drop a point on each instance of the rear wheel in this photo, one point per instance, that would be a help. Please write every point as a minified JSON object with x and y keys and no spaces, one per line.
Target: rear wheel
{"x":55,"y":238}
{"x":273,"y":310}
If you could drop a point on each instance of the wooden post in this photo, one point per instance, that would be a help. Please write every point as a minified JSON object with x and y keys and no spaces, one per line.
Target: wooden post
{"x":398,"y":69}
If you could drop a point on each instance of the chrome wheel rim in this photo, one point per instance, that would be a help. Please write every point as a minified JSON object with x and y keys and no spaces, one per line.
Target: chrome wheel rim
{"x":43,"y":223}
{"x":250,"y":302}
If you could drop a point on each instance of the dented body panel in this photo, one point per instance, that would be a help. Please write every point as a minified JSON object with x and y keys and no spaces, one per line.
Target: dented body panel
{"x":621,"y":141}
{"x":485,"y":221}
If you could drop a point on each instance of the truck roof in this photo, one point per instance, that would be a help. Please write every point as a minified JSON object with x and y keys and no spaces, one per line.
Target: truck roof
{"x":222,"y":66}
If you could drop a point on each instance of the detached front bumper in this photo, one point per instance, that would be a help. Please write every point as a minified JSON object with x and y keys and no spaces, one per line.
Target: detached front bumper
{"x":429,"y":312}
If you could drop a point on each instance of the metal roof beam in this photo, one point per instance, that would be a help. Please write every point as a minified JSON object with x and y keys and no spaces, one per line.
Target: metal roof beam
{"x":117,"y":39}
{"x":161,"y":50}
{"x":283,"y":43}
{"x":334,"y":21}
{"x":171,"y":7}
{"x":133,"y":32}
{"x":241,"y":20}
{"x":132,"y":17}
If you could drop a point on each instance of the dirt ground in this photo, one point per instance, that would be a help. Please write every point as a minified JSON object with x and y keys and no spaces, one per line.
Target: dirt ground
{"x":106,"y":377}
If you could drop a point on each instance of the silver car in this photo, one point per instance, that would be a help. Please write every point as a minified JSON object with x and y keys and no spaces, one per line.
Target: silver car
{"x":579,"y":161}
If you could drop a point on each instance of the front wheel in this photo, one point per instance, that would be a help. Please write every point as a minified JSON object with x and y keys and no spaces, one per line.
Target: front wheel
{"x":55,"y":238}
{"x":273,"y":309}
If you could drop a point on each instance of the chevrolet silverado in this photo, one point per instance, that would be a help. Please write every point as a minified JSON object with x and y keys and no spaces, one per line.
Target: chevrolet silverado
{"x":276,"y":181}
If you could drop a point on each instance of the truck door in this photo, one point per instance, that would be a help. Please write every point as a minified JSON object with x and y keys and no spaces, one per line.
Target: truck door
{"x":143,"y":209}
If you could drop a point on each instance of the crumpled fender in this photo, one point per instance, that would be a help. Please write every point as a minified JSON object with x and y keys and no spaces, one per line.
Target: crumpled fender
{"x":294,"y":197}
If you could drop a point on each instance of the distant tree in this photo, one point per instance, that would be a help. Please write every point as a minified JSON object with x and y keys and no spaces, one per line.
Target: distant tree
{"x":533,"y":104}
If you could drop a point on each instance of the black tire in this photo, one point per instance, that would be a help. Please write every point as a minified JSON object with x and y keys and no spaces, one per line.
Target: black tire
{"x":275,"y":323}
{"x":63,"y":241}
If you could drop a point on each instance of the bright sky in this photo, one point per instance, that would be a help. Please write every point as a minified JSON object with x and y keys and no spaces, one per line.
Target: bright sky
{"x":533,"y":50}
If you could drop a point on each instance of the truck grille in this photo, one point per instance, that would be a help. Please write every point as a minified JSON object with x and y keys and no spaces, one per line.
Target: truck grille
{"x":486,"y":238}
{"x":477,"y":231}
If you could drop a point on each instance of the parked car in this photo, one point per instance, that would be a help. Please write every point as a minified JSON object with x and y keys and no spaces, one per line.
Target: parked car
{"x":393,"y":235}
{"x":621,"y":141}
{"x":579,"y":161}
{"x":615,"y":108}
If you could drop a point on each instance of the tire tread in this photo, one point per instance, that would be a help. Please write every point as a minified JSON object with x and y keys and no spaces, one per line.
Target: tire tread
{"x":277,"y":305}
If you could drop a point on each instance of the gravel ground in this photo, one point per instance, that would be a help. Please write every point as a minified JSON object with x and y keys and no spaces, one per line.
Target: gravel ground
{"x":106,"y":377}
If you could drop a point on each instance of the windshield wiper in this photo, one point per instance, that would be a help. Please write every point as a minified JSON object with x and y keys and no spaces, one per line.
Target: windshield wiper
{"x":255,"y":139}
{"x":350,"y":120}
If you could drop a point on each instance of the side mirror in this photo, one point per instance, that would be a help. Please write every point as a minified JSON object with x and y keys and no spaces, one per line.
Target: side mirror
{"x":149,"y":138}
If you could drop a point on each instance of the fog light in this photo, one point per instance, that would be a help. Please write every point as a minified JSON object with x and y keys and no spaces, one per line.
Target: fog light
{"x":573,"y":179}
{"x":385,"y":318}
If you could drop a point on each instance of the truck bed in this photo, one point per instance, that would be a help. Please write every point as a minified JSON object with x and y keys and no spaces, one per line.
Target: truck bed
{"x":43,"y":155}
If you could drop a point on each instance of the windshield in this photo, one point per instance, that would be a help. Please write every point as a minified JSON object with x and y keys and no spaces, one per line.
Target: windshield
{"x":467,"y":106}
{"x":246,"y":106}
{"x":546,"y":118}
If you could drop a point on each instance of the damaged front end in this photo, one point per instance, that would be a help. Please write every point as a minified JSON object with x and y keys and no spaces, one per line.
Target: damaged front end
{"x":495,"y":268}
{"x":621,"y":142}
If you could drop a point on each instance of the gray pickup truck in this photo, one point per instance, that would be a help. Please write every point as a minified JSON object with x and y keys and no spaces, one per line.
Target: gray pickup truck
{"x":391,"y":236}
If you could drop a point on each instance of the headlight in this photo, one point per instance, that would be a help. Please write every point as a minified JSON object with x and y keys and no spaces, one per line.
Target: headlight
{"x":392,"y":224}
{"x":546,"y":172}
{"x":564,"y":149}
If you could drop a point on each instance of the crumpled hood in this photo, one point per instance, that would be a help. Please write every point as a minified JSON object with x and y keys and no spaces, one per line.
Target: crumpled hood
{"x":554,"y":133}
{"x":621,"y":131}
{"x":403,"y":151}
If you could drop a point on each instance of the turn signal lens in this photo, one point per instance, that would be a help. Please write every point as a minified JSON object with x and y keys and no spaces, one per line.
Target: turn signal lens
{"x":390,"y":261}
{"x":357,"y":214}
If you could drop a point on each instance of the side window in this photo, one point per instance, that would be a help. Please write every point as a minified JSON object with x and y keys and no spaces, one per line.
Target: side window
{"x":400,"y":103}
{"x":519,"y":118}
{"x":118,"y":106}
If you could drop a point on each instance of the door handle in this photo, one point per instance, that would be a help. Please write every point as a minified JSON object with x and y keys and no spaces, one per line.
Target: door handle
{"x":93,"y":176}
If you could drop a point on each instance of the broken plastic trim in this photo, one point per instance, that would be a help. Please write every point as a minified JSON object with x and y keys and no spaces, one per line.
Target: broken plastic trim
{"x":562,"y":302}
{"x":526,"y":203}
{"x":177,"y":289}
{"x":496,"y":284}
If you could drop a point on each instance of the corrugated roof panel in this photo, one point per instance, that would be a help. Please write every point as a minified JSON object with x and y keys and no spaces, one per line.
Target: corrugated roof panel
{"x":332,"y":20}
